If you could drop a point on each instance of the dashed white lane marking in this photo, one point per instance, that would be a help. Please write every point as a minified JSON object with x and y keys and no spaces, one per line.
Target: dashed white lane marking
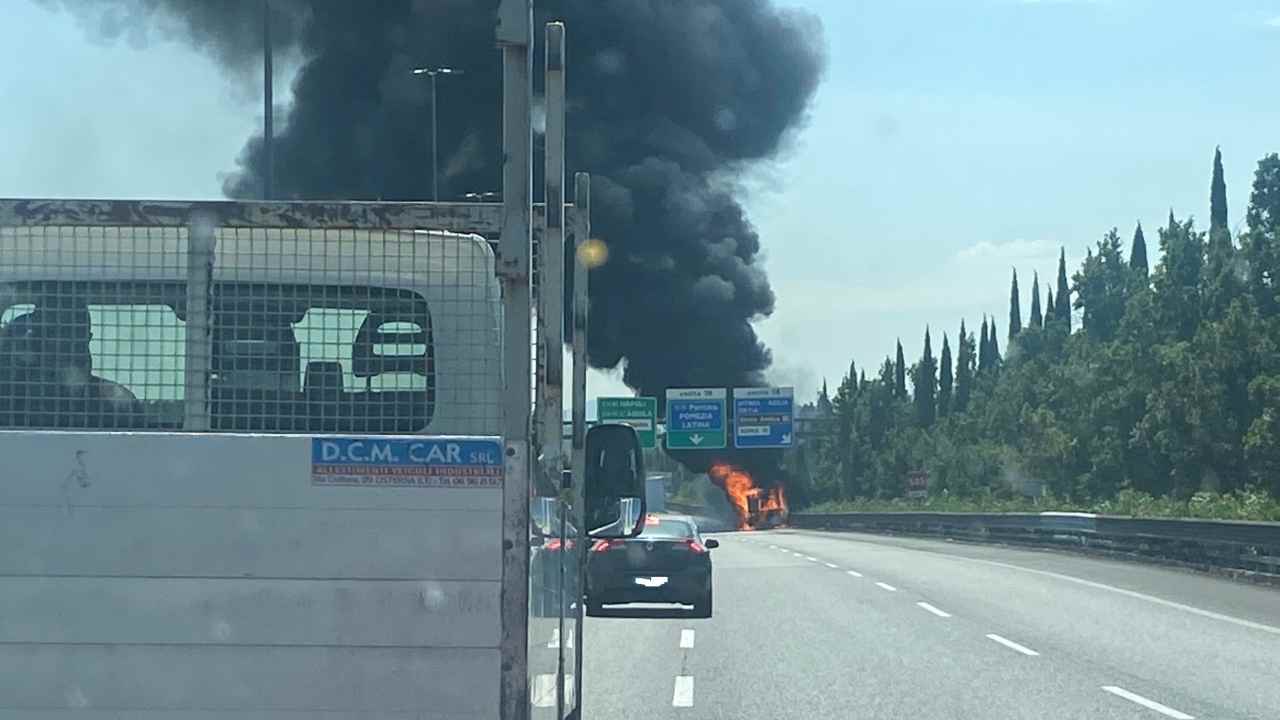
{"x":830,"y":565}
{"x":854,"y":573}
{"x":686,"y":638}
{"x":934,"y":610}
{"x":1013,"y":645}
{"x":1147,"y":703}
{"x":543,"y":693}
{"x":1130,"y":593}
{"x":682,"y":696}
{"x":810,"y":558}
{"x":887,"y":586}
{"x":773,"y":547}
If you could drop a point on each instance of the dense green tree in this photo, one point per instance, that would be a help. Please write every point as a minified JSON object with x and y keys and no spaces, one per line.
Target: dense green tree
{"x":1102,"y":288}
{"x":1050,"y":312}
{"x":1178,"y":277}
{"x":1037,"y":319}
{"x":1138,"y":255}
{"x":1062,"y":311}
{"x":900,"y":375}
{"x":965,"y":359}
{"x":945,"y":379}
{"x":1015,"y":309}
{"x":925,"y":385}
{"x":1262,"y":240}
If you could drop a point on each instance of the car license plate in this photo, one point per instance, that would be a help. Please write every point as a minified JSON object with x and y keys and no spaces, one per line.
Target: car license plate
{"x":651,"y":582}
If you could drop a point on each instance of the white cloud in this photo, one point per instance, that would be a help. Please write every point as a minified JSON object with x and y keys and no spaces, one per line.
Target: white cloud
{"x":1019,"y":249}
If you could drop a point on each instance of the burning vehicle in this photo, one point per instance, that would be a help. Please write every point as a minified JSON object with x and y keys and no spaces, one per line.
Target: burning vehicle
{"x":757,"y":507}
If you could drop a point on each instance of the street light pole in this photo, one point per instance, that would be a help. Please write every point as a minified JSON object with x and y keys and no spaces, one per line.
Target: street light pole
{"x":435,"y":165}
{"x":268,"y":105}
{"x":433,"y":72}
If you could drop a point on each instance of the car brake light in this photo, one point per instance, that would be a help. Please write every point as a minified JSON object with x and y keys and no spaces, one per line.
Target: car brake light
{"x":695,"y":547}
{"x":554,"y":544}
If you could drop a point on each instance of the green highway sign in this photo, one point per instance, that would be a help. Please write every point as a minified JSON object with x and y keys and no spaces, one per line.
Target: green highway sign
{"x":640,"y":413}
{"x":696,"y":419}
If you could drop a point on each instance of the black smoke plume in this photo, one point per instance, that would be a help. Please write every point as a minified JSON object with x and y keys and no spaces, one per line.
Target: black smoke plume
{"x":670,"y":101}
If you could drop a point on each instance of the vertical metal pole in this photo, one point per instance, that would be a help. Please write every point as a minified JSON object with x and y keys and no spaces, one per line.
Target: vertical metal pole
{"x":268,"y":105}
{"x":435,"y":167}
{"x":581,"y":232}
{"x":551,"y":302}
{"x":515,"y":35}
{"x":201,"y":240}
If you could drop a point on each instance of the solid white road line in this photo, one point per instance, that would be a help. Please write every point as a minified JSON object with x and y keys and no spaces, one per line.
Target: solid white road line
{"x":544,"y":690}
{"x":1129,"y":593}
{"x":686,"y":638}
{"x":1013,"y":645}
{"x":854,"y":573}
{"x":934,"y":610}
{"x":1147,"y":703}
{"x":682,"y":696}
{"x":887,"y":586}
{"x":830,"y":565}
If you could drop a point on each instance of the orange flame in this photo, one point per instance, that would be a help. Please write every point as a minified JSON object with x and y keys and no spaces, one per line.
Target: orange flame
{"x":755,"y":506}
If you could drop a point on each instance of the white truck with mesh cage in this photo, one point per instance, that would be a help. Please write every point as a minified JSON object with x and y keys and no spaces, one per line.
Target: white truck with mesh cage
{"x":265,"y":480}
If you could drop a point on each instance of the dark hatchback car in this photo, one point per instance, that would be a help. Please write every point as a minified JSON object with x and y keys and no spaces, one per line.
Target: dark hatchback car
{"x":668,"y":562}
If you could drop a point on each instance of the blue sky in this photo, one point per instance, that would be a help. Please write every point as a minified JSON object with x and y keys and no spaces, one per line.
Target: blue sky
{"x":949,"y":142}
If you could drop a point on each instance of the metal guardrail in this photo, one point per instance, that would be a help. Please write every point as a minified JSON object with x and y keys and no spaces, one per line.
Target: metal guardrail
{"x":1244,"y":548}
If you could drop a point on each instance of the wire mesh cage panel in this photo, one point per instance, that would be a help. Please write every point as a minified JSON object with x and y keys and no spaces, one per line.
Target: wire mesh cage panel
{"x":301,"y":328}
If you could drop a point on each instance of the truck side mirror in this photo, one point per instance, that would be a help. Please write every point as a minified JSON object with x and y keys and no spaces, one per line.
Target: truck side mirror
{"x":614,"y":487}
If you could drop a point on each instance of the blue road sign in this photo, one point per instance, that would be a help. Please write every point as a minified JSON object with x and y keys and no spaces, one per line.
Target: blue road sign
{"x":763,"y":417}
{"x":696,"y":419}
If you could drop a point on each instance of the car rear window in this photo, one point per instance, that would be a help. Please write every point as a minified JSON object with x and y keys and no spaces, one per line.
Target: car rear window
{"x":668,"y":528}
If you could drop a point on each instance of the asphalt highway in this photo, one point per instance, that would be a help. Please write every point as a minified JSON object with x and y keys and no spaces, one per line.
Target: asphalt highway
{"x":840,"y":625}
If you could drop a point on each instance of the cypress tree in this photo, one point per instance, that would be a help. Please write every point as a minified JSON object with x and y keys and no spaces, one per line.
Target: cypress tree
{"x":964,"y":371}
{"x":925,"y":385}
{"x":984,"y":362}
{"x":1015,"y":309}
{"x":1062,"y":311}
{"x":1049,"y":311}
{"x":945,"y":379}
{"x":1218,"y":201}
{"x":993,"y":352}
{"x":1037,"y":319}
{"x":1138,"y":254}
{"x":1221,"y":284}
{"x":900,"y":375}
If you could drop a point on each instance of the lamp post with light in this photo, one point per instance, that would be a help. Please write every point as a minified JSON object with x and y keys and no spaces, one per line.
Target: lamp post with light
{"x":433,"y":72}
